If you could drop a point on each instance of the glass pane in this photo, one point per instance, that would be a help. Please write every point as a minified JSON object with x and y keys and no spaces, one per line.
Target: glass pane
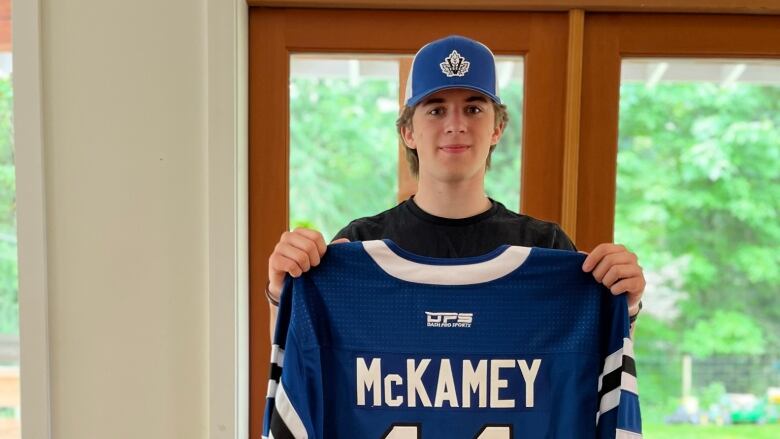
{"x":10,"y":427}
{"x":698,"y":195}
{"x":502,"y":182}
{"x":342,"y":139}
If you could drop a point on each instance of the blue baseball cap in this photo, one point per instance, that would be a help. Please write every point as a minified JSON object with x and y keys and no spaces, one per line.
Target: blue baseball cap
{"x":452,"y":62}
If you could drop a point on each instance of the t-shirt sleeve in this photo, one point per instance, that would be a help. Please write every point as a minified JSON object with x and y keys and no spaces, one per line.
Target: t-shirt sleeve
{"x":561,"y":241}
{"x":347,"y":232}
{"x":361,"y":229}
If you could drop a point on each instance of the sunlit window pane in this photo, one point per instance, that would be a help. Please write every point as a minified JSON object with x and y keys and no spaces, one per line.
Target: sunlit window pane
{"x":343,"y":143}
{"x":10,"y":427}
{"x":698,"y":195}
{"x":502,"y":182}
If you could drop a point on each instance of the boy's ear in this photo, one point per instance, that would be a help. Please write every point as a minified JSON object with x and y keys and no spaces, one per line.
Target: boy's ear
{"x":407,"y":133}
{"x":498,"y":131}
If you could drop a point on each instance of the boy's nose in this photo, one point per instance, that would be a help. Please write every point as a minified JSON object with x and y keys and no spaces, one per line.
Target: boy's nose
{"x":455,"y":123}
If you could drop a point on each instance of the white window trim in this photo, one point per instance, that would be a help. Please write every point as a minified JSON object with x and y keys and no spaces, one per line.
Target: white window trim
{"x":227,"y":40}
{"x":31,"y":221}
{"x":228,"y":220}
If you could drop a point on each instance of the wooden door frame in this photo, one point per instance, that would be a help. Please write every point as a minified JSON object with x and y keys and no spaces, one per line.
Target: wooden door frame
{"x":762,"y":7}
{"x":611,"y":37}
{"x":275,"y":33}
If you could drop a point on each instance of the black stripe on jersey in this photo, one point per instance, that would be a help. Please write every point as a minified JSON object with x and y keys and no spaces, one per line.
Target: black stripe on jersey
{"x":629,"y":365}
{"x":276,"y":372}
{"x":610,"y":382}
{"x":613,"y":380}
{"x":278,"y":427}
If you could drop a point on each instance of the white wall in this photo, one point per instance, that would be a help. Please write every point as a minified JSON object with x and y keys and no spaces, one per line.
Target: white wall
{"x":125,"y":137}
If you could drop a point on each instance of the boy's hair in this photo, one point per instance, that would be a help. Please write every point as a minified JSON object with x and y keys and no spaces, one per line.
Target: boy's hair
{"x":405,"y":121}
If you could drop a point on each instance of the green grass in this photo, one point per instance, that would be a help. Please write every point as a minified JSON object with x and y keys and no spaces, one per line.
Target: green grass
{"x":661,"y":431}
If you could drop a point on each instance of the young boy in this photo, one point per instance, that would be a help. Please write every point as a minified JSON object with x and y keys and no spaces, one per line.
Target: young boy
{"x":451,"y":122}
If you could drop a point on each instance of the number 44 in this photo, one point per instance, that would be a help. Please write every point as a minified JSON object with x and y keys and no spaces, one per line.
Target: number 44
{"x":412,"y":431}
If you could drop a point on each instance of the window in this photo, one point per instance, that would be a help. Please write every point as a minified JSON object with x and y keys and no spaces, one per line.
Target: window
{"x":9,"y":297}
{"x":697,"y":196}
{"x":694,"y":122}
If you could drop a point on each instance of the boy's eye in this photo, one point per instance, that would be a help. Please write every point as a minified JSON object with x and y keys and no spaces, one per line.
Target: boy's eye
{"x":435,"y":111}
{"x":473,"y":109}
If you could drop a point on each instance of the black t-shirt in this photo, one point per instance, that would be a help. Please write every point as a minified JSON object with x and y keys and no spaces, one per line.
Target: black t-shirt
{"x":424,"y":234}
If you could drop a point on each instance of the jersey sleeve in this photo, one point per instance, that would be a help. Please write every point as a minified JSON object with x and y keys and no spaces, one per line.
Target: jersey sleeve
{"x":618,"y":416}
{"x":286,"y":416}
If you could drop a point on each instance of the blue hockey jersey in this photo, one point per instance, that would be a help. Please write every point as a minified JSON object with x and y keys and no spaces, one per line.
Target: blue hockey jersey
{"x":520,"y":343}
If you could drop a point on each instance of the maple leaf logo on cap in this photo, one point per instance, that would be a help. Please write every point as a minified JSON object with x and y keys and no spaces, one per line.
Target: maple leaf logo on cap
{"x":455,"y":65}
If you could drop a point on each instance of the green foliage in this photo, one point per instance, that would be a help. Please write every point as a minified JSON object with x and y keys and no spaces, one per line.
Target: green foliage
{"x":711,"y":394}
{"x":697,"y":199}
{"x":659,"y":375}
{"x":726,"y":332}
{"x":502,"y":182}
{"x":9,"y":303}
{"x":344,"y":132}
{"x":698,"y":174}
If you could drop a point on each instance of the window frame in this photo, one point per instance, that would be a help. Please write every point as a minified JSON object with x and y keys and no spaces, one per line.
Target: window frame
{"x":609,"y":38}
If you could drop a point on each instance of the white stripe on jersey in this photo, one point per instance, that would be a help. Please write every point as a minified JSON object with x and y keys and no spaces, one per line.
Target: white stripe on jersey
{"x":609,"y":401}
{"x":397,"y":266}
{"x":628,"y":383}
{"x":271,"y":389}
{"x":625,"y":434}
{"x":277,"y":355}
{"x":615,"y":359}
{"x":289,"y":415}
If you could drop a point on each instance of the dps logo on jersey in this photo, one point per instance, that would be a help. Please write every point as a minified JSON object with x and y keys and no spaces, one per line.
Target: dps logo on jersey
{"x":449,"y":319}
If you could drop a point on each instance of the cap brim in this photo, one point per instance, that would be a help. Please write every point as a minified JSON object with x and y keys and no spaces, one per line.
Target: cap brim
{"x":416,"y":100}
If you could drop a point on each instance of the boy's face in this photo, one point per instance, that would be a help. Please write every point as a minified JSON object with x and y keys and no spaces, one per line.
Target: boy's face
{"x":452,"y":131}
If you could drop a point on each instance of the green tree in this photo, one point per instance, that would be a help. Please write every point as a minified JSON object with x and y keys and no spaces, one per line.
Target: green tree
{"x":698,"y":174}
{"x":341,"y":132}
{"x":501,"y":181}
{"x":697,"y":200}
{"x":9,"y":302}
